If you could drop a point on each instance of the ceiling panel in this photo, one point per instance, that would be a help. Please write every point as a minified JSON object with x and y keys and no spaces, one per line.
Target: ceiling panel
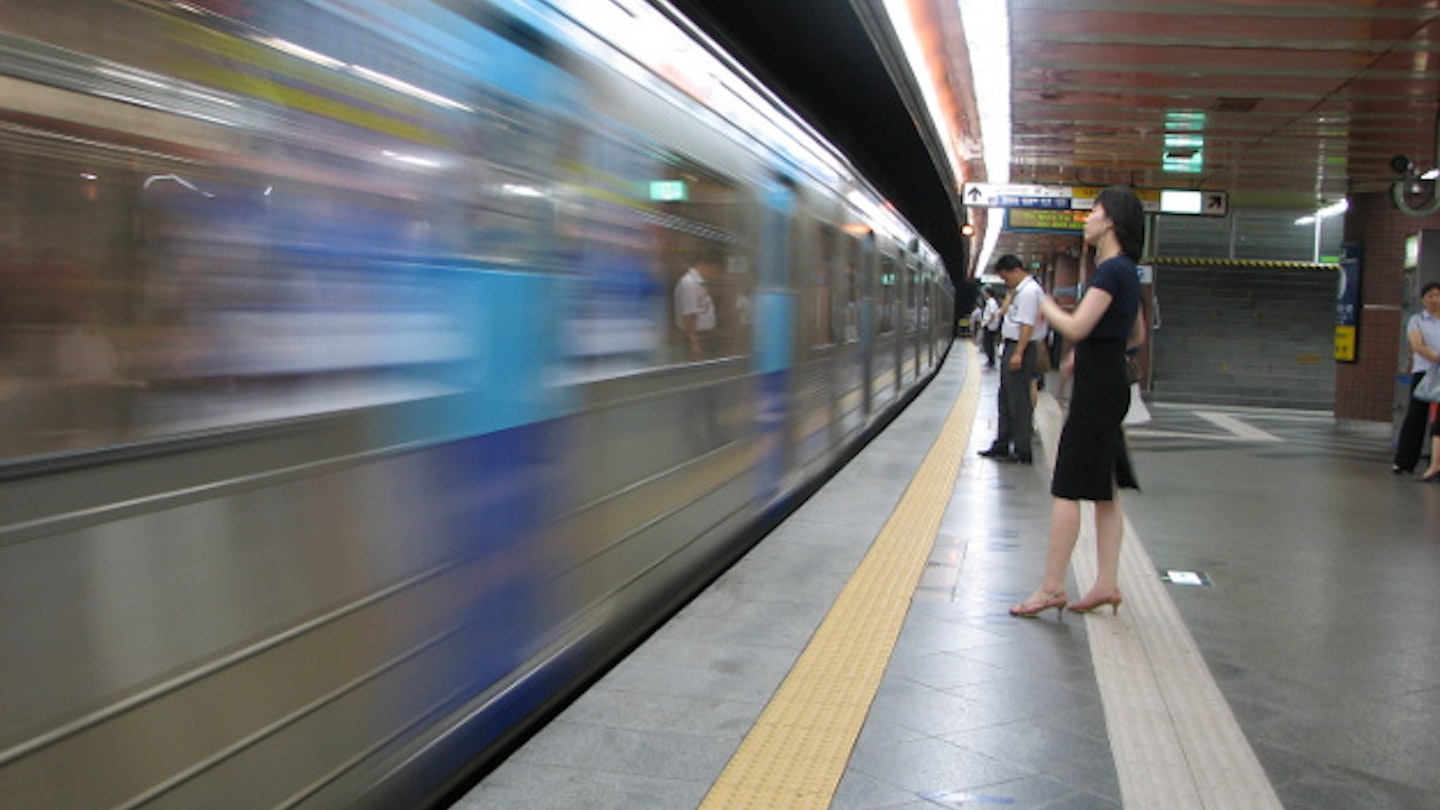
{"x":1303,"y":101}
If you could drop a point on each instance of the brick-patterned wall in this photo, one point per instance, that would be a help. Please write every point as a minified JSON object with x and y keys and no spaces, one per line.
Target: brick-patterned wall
{"x":1365,"y":389}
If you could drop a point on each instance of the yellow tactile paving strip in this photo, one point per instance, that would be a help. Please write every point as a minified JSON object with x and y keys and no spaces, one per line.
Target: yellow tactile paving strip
{"x":795,"y":754}
{"x":1176,"y":743}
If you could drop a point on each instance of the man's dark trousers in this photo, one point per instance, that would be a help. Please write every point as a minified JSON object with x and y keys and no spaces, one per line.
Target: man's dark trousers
{"x":1017,"y":415}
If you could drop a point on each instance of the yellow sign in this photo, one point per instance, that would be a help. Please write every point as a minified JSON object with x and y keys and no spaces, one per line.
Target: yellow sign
{"x":1345,"y":343}
{"x":1045,"y":219}
{"x":1083,"y":197}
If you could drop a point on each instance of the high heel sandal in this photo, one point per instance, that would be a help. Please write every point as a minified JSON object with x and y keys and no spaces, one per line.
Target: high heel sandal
{"x":1430,"y":478}
{"x":1033,"y":608}
{"x":1085,"y":606}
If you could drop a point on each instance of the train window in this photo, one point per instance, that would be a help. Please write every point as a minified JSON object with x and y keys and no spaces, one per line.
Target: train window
{"x":511,"y":179}
{"x":654,"y":240}
{"x":345,"y":265}
{"x":927,"y":305}
{"x":912,"y":296}
{"x":888,"y":301}
{"x":699,"y":240}
{"x":821,"y":279}
{"x":846,"y":317}
{"x":152,"y":297}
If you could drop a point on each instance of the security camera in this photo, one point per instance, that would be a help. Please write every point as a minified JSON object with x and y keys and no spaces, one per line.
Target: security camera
{"x":1401,"y":165}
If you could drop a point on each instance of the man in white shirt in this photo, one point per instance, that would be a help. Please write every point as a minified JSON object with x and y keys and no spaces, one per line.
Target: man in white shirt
{"x":1022,"y":330}
{"x":695,"y":309}
{"x":991,"y":321}
{"x":1422,"y":334}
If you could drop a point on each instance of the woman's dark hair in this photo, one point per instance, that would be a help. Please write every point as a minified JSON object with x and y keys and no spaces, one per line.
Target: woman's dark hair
{"x":1128,"y":216}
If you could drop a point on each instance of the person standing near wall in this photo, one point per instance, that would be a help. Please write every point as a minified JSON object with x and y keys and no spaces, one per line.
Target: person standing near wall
{"x":1423,"y":336}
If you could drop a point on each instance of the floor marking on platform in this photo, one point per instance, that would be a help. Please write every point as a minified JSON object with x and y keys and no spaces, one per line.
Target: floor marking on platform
{"x":1175,"y":740}
{"x":794,"y":756}
{"x":1235,"y":430}
{"x":1237,"y":427}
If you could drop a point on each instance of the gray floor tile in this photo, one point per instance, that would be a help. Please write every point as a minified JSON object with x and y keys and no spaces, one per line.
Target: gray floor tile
{"x":639,"y":752}
{"x":576,"y":787}
{"x":932,"y":765}
{"x":860,"y":791}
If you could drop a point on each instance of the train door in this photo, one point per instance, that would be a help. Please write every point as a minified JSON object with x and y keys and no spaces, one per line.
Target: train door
{"x":912,"y":316}
{"x":866,"y":316}
{"x":774,"y":335}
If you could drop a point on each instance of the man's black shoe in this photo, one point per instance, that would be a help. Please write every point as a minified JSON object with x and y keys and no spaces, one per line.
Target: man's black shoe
{"x":1019,"y":458}
{"x":996,"y":452}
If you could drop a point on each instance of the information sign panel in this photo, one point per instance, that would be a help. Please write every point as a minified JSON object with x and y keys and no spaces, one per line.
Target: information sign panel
{"x":1187,"y":202}
{"x":1037,"y":220}
{"x":1015,"y":195}
{"x":1347,"y":303}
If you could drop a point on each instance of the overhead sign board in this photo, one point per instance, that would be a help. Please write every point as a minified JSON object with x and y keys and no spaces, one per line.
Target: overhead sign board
{"x":1217,"y":203}
{"x":1007,"y":195}
{"x":1196,"y":203}
{"x":1082,"y":198}
{"x":1041,"y":220}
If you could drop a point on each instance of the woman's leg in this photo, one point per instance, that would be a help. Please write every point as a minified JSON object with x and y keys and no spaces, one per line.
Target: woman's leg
{"x":1432,"y":472}
{"x":1064,"y":529}
{"x":1109,"y":531}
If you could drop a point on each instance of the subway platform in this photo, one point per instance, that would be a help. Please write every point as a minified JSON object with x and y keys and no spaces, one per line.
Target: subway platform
{"x":1276,"y":647}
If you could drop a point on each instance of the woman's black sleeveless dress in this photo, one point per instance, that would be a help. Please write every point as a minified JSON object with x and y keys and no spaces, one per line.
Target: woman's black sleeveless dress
{"x":1092,"y":457}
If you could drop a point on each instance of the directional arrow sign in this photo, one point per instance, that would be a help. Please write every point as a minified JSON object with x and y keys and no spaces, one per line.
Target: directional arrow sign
{"x":1217,"y":204}
{"x":1008,"y":195}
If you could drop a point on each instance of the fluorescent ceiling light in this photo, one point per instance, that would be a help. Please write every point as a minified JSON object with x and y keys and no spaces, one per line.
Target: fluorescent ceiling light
{"x":987,"y":37}
{"x":1176,"y":201}
{"x":1332,"y":210}
{"x":904,"y":27}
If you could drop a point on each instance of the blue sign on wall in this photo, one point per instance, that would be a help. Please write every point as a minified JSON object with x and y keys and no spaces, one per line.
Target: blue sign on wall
{"x":1347,"y":303}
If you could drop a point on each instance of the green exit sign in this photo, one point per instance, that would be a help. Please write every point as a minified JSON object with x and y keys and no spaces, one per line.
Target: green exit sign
{"x":669,"y":191}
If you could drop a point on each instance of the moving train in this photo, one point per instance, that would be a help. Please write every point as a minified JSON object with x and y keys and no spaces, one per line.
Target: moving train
{"x":347,"y":424}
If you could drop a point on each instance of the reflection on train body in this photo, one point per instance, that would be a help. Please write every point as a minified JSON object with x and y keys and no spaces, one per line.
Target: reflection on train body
{"x":345,"y":420}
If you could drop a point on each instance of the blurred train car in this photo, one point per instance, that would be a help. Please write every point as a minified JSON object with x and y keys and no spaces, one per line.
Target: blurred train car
{"x":345,"y":420}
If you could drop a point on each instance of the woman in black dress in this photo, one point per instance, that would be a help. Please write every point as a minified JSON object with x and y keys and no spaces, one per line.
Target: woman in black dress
{"x":1091,"y":460}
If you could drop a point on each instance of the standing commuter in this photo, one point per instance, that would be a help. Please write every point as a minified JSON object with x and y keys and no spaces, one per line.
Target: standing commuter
{"x":1091,"y":459}
{"x":695,"y":309}
{"x":1423,"y":335}
{"x":990,"y":324}
{"x":1022,"y":331}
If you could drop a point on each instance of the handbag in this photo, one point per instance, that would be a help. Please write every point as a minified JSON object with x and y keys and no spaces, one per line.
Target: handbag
{"x":1132,"y":368}
{"x":1429,"y":387}
{"x":1137,"y":414}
